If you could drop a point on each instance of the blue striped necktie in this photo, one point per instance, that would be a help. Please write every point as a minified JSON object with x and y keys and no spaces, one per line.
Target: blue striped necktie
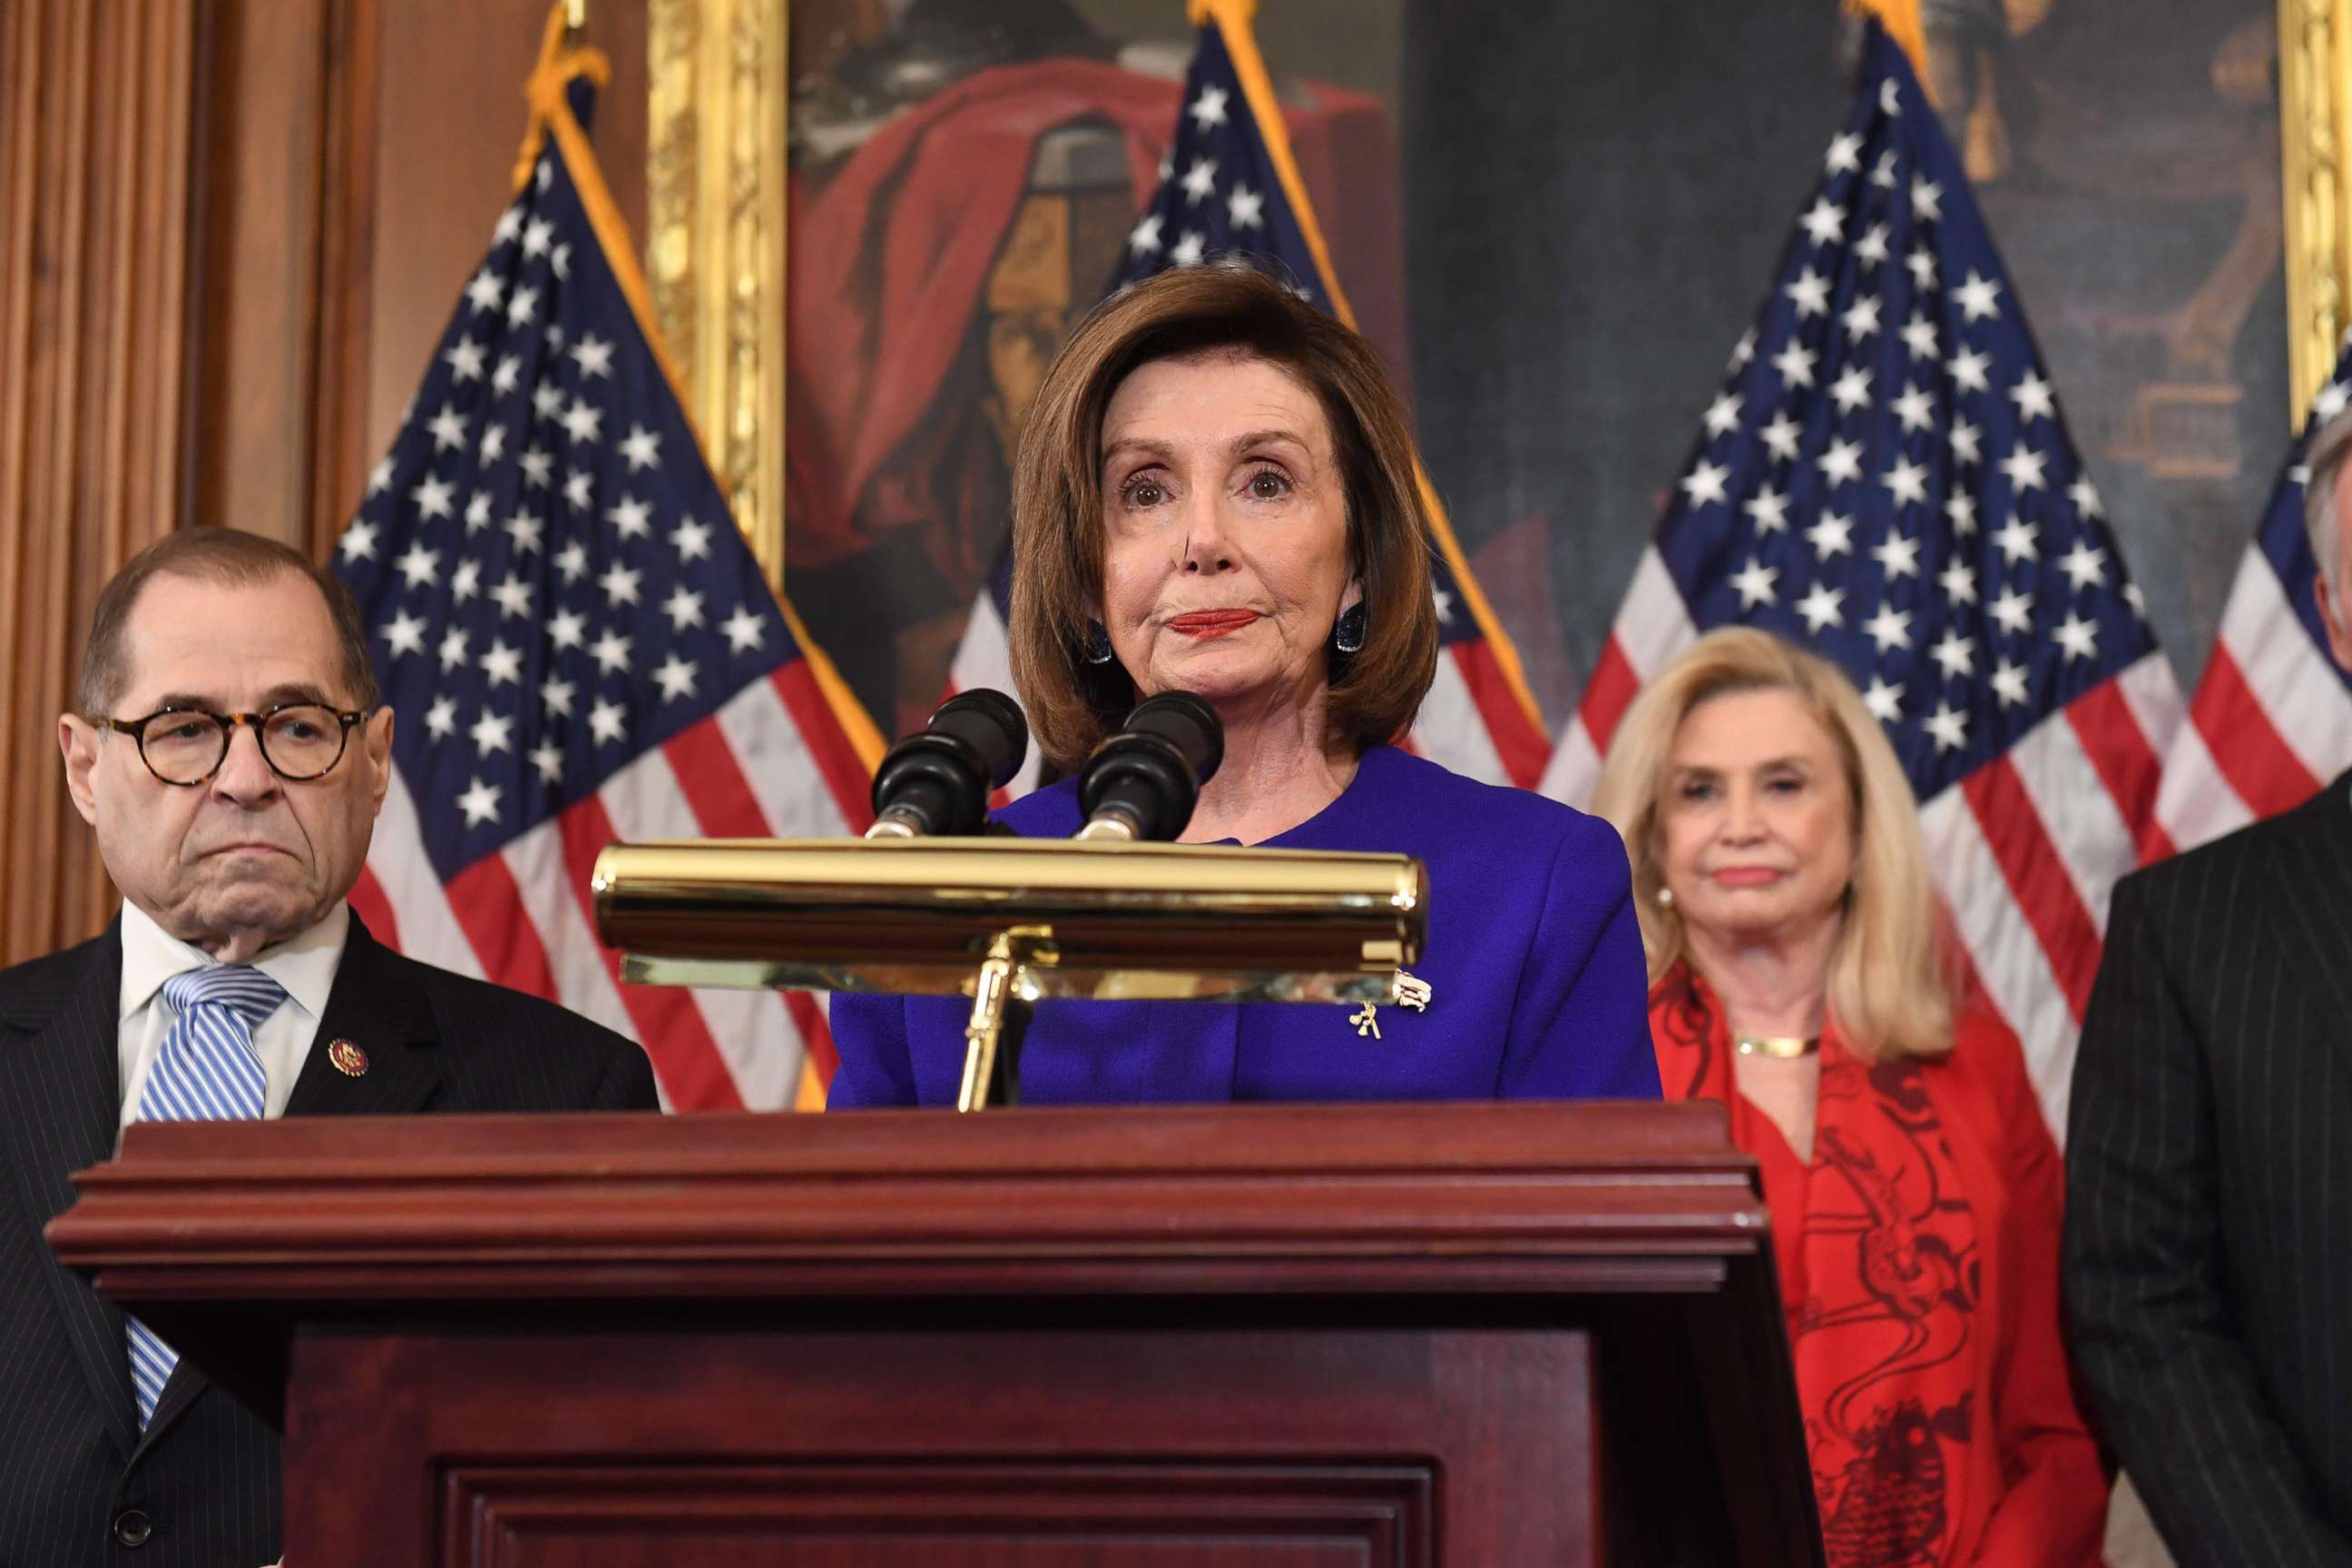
{"x":206,"y":1071}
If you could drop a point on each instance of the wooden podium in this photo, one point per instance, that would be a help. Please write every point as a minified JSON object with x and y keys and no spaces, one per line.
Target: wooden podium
{"x":1486,"y":1336}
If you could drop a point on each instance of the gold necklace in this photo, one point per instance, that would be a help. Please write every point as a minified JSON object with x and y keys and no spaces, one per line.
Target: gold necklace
{"x":1785,"y":1047}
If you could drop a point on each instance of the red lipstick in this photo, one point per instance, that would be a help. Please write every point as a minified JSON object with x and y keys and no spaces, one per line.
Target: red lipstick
{"x":1211,"y":623}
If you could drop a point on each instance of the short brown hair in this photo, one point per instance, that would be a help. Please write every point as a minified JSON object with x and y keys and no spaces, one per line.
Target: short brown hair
{"x":1057,"y":507}
{"x":224,"y":555}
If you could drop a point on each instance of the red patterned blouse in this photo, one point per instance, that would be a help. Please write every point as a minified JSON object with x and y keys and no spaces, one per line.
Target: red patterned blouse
{"x":1918,"y":1259}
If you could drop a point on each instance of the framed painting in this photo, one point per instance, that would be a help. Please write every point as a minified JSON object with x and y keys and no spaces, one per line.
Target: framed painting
{"x":871,"y":221}
{"x":2315,"y":78}
{"x":959,"y":180}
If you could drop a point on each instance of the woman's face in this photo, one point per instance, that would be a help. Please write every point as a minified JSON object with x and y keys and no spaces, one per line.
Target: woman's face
{"x":1757,"y":818}
{"x":1225,"y":532}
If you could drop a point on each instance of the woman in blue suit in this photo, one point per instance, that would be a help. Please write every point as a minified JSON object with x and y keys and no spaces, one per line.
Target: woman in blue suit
{"x":1216,"y":493}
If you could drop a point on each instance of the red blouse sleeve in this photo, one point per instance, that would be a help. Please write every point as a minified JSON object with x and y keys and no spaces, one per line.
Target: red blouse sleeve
{"x":2054,"y":1510}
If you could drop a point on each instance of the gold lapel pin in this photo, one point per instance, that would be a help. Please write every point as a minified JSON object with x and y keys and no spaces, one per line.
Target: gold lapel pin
{"x":348,"y":1059}
{"x":1411,"y":991}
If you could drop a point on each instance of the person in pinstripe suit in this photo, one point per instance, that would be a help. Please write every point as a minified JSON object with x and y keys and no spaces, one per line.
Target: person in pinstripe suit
{"x":232,"y":843}
{"x":2208,"y":1239}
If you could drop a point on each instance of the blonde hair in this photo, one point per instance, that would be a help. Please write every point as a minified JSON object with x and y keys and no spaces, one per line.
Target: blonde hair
{"x":1889,"y":992}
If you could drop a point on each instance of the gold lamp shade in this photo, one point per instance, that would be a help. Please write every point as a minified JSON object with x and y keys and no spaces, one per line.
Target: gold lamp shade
{"x":1100,"y":920}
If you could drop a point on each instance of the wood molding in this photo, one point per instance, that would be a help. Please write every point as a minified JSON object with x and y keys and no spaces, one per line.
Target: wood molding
{"x":346,"y":263}
{"x":1641,"y":1196}
{"x":1256,"y":1511}
{"x":286,"y":127}
{"x":95,"y":156}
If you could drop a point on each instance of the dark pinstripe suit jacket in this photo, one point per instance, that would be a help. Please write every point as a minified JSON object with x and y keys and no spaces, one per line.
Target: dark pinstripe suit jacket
{"x":2209,"y":1215}
{"x":205,"y":1473}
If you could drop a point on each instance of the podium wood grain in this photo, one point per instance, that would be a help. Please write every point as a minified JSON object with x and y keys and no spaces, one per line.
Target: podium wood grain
{"x":1475,"y":1334}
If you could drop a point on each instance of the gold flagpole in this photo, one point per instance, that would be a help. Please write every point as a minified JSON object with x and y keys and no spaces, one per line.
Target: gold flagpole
{"x":1901,"y":20}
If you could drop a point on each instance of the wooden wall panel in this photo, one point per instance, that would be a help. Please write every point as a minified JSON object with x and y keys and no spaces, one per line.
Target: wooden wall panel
{"x":94,"y":166}
{"x":261,"y":128}
{"x":230,"y":232}
{"x":450,"y":102}
{"x":355,"y":155}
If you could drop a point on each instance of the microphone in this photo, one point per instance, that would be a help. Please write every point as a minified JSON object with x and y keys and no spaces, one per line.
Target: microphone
{"x":1142,"y":783}
{"x":936,"y":782}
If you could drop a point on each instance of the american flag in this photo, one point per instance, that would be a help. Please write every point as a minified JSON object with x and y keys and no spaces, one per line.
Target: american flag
{"x":577,"y":643}
{"x":1887,"y":477}
{"x":2272,"y":721}
{"x":1229,"y":192}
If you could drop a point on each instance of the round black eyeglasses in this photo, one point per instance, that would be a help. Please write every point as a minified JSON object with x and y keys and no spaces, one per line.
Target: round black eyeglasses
{"x":185,"y":746}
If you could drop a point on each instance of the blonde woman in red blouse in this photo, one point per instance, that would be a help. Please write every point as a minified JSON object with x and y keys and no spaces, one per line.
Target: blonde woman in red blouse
{"x":1796,"y":976}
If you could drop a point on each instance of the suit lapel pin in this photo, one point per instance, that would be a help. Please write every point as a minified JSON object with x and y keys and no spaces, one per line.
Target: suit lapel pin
{"x":1411,"y":991}
{"x":348,"y":1059}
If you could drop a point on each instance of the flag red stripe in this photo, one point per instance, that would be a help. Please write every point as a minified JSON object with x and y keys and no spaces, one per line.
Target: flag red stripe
{"x":2037,"y":878}
{"x":711,"y":777}
{"x":1609,"y":694}
{"x":816,"y":1034}
{"x":367,"y":901}
{"x":668,"y":1024}
{"x":1968,"y":989}
{"x":2126,"y":763}
{"x":845,"y":774}
{"x":2266,"y":773}
{"x":1522,"y":747}
{"x":489,"y":910}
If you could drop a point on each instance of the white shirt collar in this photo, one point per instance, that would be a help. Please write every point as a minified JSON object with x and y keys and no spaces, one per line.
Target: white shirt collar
{"x":304,"y":965}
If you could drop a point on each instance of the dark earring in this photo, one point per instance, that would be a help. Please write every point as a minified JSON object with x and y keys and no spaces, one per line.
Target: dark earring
{"x":1098,"y":644}
{"x":1348,"y":637}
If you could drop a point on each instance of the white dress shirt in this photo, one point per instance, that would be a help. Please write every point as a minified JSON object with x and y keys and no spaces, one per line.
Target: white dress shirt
{"x":304,"y":965}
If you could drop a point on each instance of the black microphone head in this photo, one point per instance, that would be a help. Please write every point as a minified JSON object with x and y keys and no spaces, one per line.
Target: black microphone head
{"x":1190,"y":724}
{"x":1149,"y":774}
{"x":937,"y":781}
{"x":992,"y":725}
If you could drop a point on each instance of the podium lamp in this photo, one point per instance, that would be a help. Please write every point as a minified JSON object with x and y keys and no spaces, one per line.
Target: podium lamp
{"x":1011,"y":923}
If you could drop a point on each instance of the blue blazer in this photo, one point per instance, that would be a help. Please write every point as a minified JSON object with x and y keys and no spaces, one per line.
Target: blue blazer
{"x":1539,"y":989}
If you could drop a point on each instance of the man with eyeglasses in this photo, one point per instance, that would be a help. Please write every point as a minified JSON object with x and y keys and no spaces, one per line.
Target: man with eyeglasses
{"x":228,"y":750}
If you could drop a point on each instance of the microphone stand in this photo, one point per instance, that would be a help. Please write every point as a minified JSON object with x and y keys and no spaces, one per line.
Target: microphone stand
{"x":1003,"y":1001}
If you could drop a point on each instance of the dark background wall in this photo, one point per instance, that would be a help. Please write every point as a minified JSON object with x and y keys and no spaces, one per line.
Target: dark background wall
{"x":1597,"y":197}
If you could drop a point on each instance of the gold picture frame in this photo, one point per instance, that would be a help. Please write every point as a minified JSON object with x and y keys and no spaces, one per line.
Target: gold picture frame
{"x":716,"y":233}
{"x":715,"y":240}
{"x":2315,"y":120}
